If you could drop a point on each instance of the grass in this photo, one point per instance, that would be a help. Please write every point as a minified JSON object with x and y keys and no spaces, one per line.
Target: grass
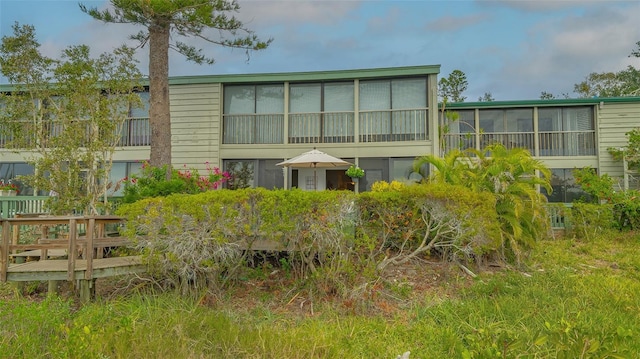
{"x":575,"y":299}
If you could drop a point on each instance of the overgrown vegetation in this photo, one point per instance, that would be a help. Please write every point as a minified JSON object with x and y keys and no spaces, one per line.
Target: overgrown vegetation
{"x":512,"y":177}
{"x":153,"y":182}
{"x":66,"y":116}
{"x":575,"y":299}
{"x":199,"y":242}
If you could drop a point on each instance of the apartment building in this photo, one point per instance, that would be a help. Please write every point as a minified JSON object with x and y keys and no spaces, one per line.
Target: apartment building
{"x":379,"y":119}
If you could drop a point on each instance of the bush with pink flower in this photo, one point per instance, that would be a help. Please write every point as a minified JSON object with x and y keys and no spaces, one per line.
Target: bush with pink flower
{"x":153,"y":181}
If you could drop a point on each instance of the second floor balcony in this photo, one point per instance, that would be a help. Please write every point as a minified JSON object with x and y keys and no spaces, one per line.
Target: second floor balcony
{"x":327,"y":127}
{"x":549,"y":143}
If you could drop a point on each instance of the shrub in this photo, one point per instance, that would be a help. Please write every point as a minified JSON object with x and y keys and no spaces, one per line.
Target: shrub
{"x":153,"y":182}
{"x":403,"y":222}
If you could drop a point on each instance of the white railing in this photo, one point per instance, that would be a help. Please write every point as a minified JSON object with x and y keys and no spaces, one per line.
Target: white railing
{"x":133,"y":132}
{"x":253,"y":128}
{"x":393,"y":125}
{"x":568,"y":143}
{"x":509,"y":140}
{"x":325,"y":127}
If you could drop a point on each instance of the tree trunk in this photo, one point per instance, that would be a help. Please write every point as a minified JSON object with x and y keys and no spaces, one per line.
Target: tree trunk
{"x":159,"y":115}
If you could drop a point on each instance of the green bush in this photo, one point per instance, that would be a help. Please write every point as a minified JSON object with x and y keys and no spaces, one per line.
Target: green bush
{"x":153,"y":182}
{"x":589,"y":220}
{"x":442,"y":219}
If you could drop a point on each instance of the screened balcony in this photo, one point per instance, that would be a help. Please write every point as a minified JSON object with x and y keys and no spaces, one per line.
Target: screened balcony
{"x":569,"y":143}
{"x":327,"y":127}
{"x":133,"y":132}
{"x":393,"y":125}
{"x":253,"y":128}
{"x":509,"y":140}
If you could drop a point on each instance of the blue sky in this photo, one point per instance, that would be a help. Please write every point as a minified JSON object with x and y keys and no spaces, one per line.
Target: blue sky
{"x":512,"y":49}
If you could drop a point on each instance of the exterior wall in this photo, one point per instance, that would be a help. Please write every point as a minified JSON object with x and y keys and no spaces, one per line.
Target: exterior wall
{"x":196,"y":122}
{"x":614,"y":120}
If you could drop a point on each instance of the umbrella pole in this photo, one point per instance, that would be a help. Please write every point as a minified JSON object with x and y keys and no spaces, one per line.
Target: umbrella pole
{"x":315,"y":177}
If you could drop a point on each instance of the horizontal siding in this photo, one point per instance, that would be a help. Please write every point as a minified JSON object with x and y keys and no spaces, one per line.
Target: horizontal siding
{"x":615,"y":119}
{"x":195,"y":125}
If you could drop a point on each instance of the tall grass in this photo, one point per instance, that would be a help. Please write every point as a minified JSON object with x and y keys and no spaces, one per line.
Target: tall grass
{"x":574,"y":300}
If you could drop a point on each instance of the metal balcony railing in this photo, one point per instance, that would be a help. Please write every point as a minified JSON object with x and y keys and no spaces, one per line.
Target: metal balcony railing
{"x":253,"y":128}
{"x":325,"y":127}
{"x":393,"y":125}
{"x":567,"y":143}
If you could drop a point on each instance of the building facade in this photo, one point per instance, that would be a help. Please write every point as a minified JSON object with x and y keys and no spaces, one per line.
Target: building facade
{"x":379,"y":119}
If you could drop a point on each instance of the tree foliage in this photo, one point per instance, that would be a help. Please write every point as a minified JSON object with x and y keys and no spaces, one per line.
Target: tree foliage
{"x":487,"y":97}
{"x":630,"y":153}
{"x":612,"y":84}
{"x":165,"y":20}
{"x":451,"y":88}
{"x":512,"y":176}
{"x":66,"y":115}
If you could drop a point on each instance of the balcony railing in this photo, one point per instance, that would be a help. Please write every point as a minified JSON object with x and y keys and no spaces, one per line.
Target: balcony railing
{"x":459,"y":141}
{"x":326,"y":127}
{"x":133,"y":132}
{"x":393,"y":125}
{"x":509,"y":140}
{"x":572,"y":143}
{"x":253,"y":128}
{"x":568,"y":143}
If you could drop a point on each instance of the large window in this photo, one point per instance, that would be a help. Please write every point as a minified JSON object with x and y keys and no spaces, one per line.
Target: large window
{"x":393,"y":110}
{"x":510,"y":127}
{"x":566,"y":131}
{"x":460,"y":130}
{"x":565,"y":188}
{"x":120,"y":171}
{"x":136,"y":131}
{"x":388,"y":169}
{"x":254,"y":173}
{"x":321,"y":112}
{"x":10,"y":172}
{"x":253,"y":114}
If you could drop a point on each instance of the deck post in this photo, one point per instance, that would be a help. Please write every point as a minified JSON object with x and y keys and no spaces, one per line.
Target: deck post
{"x":88,"y":250}
{"x":87,"y":290}
{"x":73,"y":233}
{"x":4,"y":250}
{"x":52,"y":288}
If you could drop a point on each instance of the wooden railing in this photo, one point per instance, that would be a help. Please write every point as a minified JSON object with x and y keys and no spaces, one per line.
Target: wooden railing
{"x":87,"y":245}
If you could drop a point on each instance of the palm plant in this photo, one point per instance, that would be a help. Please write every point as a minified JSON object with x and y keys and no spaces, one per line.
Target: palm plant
{"x":511,"y":175}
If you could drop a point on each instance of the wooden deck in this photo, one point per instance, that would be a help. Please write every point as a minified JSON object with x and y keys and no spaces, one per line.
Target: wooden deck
{"x":57,"y":269}
{"x":75,"y":255}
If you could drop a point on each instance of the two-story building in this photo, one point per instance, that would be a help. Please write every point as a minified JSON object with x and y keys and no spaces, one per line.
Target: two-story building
{"x":379,"y":119}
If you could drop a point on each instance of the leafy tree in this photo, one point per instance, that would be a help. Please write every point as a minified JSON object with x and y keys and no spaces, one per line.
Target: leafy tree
{"x":184,"y":18}
{"x":452,"y":87}
{"x":487,"y":97}
{"x":631,"y":153}
{"x":544,"y":95}
{"x":65,"y":116}
{"x":612,"y":84}
{"x":511,"y":175}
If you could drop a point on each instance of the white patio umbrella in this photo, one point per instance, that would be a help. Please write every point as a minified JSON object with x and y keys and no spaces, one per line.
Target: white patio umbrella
{"x":314,"y":159}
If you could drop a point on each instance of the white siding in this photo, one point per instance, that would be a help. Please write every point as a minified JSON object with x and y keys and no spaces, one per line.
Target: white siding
{"x":614,"y":120}
{"x":195,"y":125}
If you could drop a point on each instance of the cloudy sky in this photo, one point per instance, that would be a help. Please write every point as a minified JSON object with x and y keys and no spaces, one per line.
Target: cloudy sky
{"x":512,"y":49}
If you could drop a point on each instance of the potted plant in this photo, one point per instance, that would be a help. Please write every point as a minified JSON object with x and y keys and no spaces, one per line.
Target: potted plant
{"x":8,"y":189}
{"x":355,"y":172}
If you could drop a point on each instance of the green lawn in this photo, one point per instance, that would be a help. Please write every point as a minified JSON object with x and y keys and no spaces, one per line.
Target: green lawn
{"x":573,"y":300}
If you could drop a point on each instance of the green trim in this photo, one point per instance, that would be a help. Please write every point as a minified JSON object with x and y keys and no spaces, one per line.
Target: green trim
{"x":540,"y":103}
{"x":293,"y":76}
{"x":309,"y":76}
